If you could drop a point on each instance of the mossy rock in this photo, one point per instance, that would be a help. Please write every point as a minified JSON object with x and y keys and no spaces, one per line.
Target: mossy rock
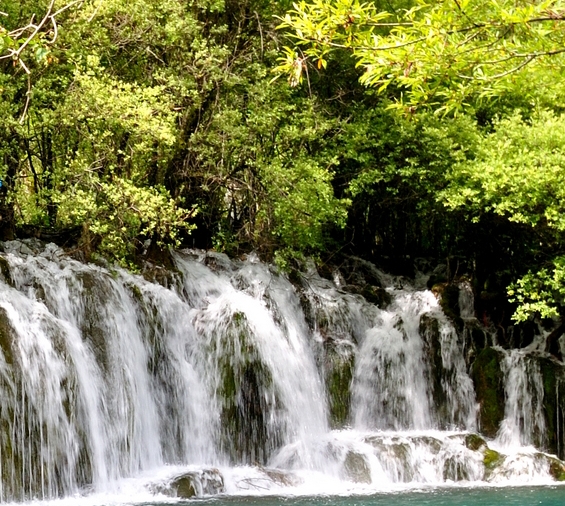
{"x":552,"y":374}
{"x":94,"y":293}
{"x":196,"y":484}
{"x":167,"y":277}
{"x":373,"y":294}
{"x":360,"y":272}
{"x":556,"y":469}
{"x":184,"y":487}
{"x":492,"y":459}
{"x":7,"y":335}
{"x":247,"y":435}
{"x":436,"y":279}
{"x":397,"y":448}
{"x":475,"y":442}
{"x":429,"y":330}
{"x":284,"y":478}
{"x":339,"y":366}
{"x":488,"y":381}
{"x":433,"y":444}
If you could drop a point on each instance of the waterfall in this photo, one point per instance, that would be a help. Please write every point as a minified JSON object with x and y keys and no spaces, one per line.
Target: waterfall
{"x":524,"y":420}
{"x":391,"y":390}
{"x":229,"y":372}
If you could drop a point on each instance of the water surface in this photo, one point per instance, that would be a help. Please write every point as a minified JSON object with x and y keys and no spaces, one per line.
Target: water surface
{"x":519,"y":496}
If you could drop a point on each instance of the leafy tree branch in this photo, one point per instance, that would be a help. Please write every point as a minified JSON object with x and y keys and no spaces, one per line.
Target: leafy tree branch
{"x":436,"y":54}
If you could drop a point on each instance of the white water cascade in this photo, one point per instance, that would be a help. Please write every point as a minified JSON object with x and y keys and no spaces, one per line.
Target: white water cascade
{"x":226,"y":374}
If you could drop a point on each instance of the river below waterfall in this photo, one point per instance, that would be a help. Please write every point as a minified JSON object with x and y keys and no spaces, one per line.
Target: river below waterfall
{"x":223,"y":379}
{"x":445,"y":496}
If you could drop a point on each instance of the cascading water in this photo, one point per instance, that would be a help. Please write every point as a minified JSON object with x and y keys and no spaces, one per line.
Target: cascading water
{"x":524,"y":421}
{"x":226,"y":377}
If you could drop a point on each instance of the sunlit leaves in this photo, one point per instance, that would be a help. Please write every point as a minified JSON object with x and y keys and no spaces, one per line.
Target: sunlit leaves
{"x":440,"y":54}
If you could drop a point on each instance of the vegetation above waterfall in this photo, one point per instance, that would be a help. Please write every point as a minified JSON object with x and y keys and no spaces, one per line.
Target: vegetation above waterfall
{"x":129,"y":126}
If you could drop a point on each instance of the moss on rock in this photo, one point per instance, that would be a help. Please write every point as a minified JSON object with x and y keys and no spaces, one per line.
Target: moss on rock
{"x":475,"y":442}
{"x":195,"y":484}
{"x":556,"y":469}
{"x":491,"y":459}
{"x":429,"y":330}
{"x":5,"y":270}
{"x":488,"y":381}
{"x":339,"y":367}
{"x":247,"y":413}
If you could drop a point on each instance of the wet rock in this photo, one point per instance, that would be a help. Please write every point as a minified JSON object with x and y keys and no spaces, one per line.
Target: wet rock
{"x":95,"y":290}
{"x":448,"y":296}
{"x":439,"y":276}
{"x":488,"y":381}
{"x":553,"y":404}
{"x":373,"y":294}
{"x":5,"y":271}
{"x":195,"y":484}
{"x":429,"y":330}
{"x":217,"y":262}
{"x":395,"y":447}
{"x":339,"y":365}
{"x":433,"y":444}
{"x":556,"y":468}
{"x":356,"y":468}
{"x":7,"y":335}
{"x":248,"y":434}
{"x":166,"y":277}
{"x":357,"y":271}
{"x":475,"y":442}
{"x":455,"y":470}
{"x":491,"y":460}
{"x":280,"y":477}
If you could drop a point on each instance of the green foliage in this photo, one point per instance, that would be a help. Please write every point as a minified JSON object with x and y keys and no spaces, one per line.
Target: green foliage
{"x":541,"y":292}
{"x":518,"y":173}
{"x":438,"y":54}
{"x":152,"y":110}
{"x":117,"y":216}
{"x":393,"y":167}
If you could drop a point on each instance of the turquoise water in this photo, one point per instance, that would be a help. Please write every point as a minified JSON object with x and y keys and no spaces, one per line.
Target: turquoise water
{"x":521,"y":496}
